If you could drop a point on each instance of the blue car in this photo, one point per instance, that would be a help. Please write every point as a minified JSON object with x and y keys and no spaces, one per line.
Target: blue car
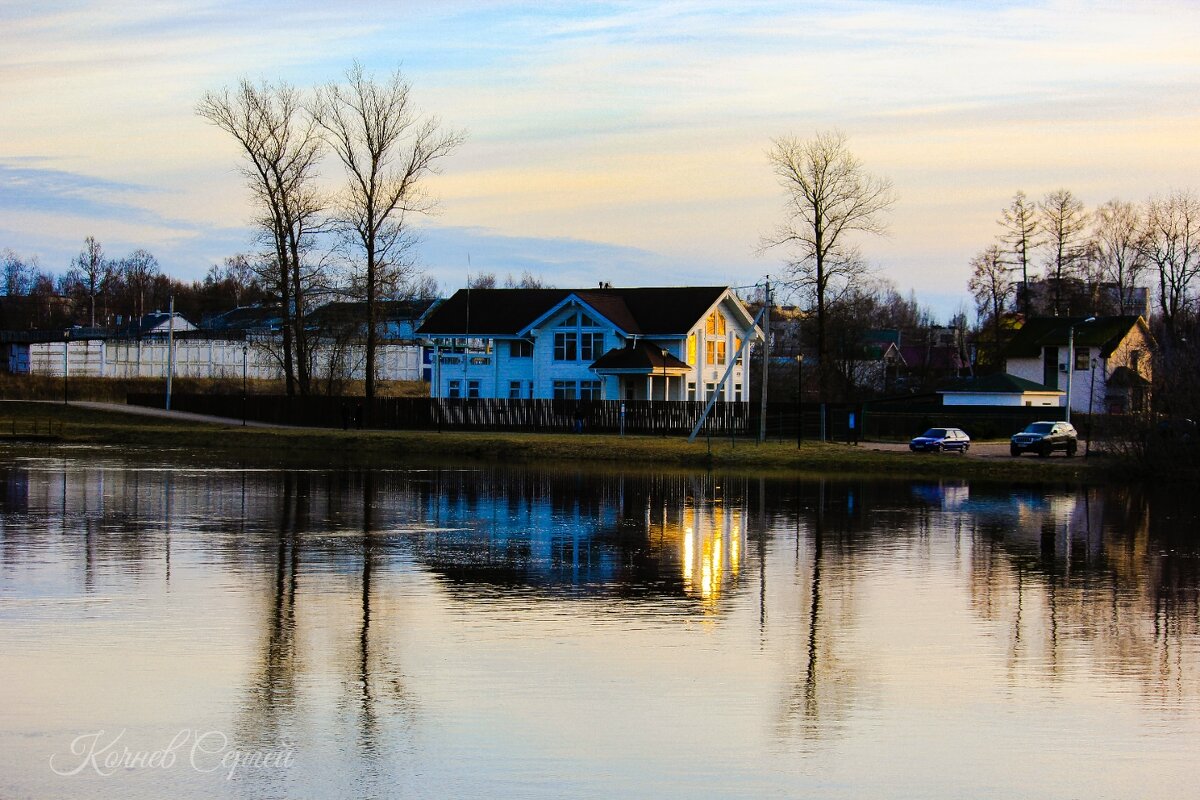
{"x":939,"y":439}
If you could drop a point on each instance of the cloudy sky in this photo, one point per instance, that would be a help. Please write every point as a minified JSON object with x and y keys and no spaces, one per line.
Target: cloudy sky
{"x":606,"y":141}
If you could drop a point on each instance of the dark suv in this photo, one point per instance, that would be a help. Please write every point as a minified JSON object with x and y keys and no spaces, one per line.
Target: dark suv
{"x":1045,"y":437}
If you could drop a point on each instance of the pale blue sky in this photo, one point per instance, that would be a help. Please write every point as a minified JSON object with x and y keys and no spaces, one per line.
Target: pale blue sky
{"x":617,"y":141}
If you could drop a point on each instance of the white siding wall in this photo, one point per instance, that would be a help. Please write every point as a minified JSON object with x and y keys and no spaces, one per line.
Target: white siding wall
{"x":1028,"y":368}
{"x":1000,"y":399}
{"x":195,"y":358}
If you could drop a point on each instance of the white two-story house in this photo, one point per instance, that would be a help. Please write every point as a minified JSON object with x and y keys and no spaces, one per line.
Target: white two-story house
{"x":653,"y":343}
{"x":1110,"y":371}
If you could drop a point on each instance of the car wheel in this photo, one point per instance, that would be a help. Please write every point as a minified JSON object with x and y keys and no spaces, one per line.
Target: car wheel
{"x":939,"y":448}
{"x":1044,"y":451}
{"x":1071,"y":449}
{"x":1014,"y":452}
{"x":965,"y":448}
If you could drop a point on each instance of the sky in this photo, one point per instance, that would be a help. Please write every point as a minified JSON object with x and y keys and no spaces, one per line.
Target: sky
{"x":619,"y":142}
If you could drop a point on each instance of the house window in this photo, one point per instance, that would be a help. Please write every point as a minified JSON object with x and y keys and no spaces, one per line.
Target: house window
{"x":589,"y":390}
{"x":691,"y":390}
{"x":520,"y":349}
{"x":591,"y":346}
{"x":691,"y":350}
{"x":455,"y":390}
{"x":737,"y":349}
{"x":1082,"y":357}
{"x":473,"y":389}
{"x":737,"y":393}
{"x":709,"y":390}
{"x":715,"y":325}
{"x":714,"y":351}
{"x":566,"y":346}
{"x":514,"y":390}
{"x":565,"y":390}
{"x":1135,"y":360}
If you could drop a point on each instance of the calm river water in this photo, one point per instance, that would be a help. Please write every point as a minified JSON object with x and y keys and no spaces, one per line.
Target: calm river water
{"x":174,"y":630}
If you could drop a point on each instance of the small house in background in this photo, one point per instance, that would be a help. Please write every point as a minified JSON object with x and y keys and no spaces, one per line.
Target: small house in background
{"x":998,"y":390}
{"x":153,"y":325}
{"x":245,"y":321}
{"x":878,"y":363}
{"x":1110,"y":371}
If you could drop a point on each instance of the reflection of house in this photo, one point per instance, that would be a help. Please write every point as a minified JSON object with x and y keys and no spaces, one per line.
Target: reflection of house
{"x":1111,"y":367}
{"x":601,"y":344}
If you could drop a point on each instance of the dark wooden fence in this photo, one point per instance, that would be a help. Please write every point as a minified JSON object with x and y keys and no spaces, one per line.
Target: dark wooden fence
{"x":838,"y":421}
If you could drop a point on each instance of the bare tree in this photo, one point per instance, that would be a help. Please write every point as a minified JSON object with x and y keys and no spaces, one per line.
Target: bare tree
{"x":1120,"y":254}
{"x":1172,"y":249}
{"x":484,"y":280}
{"x":282,"y":149}
{"x":830,"y":197}
{"x":1020,"y":223}
{"x":93,"y":271}
{"x":138,"y":270}
{"x":527,"y":281}
{"x":991,"y":287}
{"x":1064,"y":223}
{"x":19,"y":274}
{"x":387,"y":150}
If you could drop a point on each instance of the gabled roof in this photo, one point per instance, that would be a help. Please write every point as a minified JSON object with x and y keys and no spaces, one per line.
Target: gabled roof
{"x":999,"y":383}
{"x":641,"y":357}
{"x":1038,"y":332}
{"x":246,"y":317}
{"x":355,"y":311}
{"x":650,"y":311}
{"x":153,"y":322}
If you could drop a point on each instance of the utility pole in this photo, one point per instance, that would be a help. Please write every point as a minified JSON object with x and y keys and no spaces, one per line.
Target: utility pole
{"x":766,"y":361}
{"x":170,"y":349}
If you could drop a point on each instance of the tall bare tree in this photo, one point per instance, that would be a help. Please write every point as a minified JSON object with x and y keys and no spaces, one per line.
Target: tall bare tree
{"x":830,"y":197}
{"x":387,"y":149}
{"x":1064,"y":224}
{"x":93,"y":272}
{"x":1020,"y":222}
{"x":138,"y":271}
{"x":1120,"y":254}
{"x":991,"y":286}
{"x":1172,"y":248}
{"x":282,"y":149}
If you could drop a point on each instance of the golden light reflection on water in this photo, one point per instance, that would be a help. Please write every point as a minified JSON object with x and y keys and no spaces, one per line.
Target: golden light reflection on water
{"x":710,"y":537}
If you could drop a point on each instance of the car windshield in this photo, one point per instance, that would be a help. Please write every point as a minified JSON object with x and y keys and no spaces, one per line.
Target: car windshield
{"x":1039,"y":427}
{"x":934,"y":433}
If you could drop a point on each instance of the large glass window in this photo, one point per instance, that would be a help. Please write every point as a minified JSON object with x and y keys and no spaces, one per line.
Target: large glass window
{"x":714,"y":325}
{"x":714,"y":351}
{"x":589,"y":390}
{"x":472,"y":388}
{"x":520,"y":349}
{"x":514,"y":390}
{"x":591,"y":346}
{"x":455,"y":389}
{"x":1082,"y":360}
{"x":691,"y":350}
{"x":566,"y":346}
{"x":565,"y":390}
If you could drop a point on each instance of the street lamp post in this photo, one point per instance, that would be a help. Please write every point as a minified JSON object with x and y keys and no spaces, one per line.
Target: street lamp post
{"x":66,"y":349}
{"x":799,"y":400}
{"x":1071,"y":360}
{"x":245,"y":349}
{"x":1087,"y":445}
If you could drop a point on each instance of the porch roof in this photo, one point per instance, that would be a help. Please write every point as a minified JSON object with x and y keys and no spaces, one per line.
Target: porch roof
{"x":642,"y":358}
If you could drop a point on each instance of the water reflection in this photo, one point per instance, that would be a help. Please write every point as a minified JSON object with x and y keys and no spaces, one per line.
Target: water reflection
{"x":389,"y":621}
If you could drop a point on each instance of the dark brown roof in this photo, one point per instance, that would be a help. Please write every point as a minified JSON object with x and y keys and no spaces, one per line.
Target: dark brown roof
{"x":1038,"y":332}
{"x":652,"y":311}
{"x":642,"y":356}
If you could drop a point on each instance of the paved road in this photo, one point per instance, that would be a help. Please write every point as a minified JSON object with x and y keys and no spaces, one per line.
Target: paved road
{"x":979,"y":450}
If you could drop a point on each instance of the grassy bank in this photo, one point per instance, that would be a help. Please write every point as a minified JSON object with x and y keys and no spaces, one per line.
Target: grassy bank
{"x":321,"y":447}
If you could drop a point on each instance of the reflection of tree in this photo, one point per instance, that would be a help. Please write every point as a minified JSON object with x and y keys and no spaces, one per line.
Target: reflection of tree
{"x":1085,"y":574}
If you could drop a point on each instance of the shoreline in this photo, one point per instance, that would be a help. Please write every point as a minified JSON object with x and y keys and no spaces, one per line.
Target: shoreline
{"x":135,"y":430}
